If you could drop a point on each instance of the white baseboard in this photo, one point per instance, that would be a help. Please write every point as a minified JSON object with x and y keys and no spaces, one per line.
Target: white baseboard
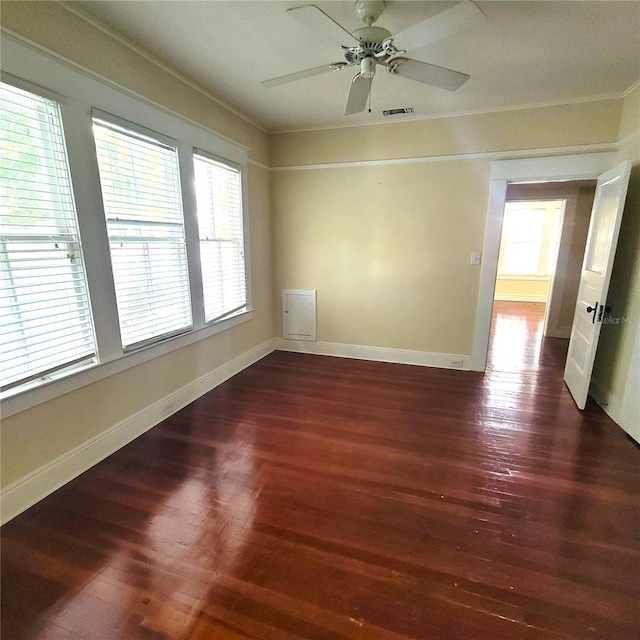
{"x":611,"y":405}
{"x":559,"y":332}
{"x":25,"y":492}
{"x":379,"y":354}
{"x":520,"y":297}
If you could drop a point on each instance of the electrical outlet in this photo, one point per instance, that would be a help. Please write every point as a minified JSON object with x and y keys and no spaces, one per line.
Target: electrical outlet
{"x":457,"y":363}
{"x":475,"y":257}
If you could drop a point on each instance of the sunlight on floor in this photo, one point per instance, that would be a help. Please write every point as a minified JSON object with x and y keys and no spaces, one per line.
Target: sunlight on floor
{"x":516,"y":336}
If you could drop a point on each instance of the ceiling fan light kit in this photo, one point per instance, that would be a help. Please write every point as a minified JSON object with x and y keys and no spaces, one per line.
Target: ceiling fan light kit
{"x":371,"y":45}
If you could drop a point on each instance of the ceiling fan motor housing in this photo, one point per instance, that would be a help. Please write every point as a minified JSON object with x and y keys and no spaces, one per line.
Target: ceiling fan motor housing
{"x":365,"y":50}
{"x":371,"y":38}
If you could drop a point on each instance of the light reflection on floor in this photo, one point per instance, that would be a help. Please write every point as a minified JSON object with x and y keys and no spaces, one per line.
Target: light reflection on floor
{"x":516,"y":336}
{"x":510,"y":385}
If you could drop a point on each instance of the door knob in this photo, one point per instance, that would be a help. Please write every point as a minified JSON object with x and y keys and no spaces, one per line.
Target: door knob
{"x":593,"y":310}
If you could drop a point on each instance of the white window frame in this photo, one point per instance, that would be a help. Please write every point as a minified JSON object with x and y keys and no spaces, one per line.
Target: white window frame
{"x":245,"y":225}
{"x":77,"y":92}
{"x":162,"y":140}
{"x":49,"y":371}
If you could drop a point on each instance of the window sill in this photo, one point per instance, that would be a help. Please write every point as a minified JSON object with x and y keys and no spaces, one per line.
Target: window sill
{"x":523,"y":277}
{"x":23,"y":398}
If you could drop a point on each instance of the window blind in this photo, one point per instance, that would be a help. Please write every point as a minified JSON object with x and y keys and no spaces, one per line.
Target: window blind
{"x":45,"y":317}
{"x":143,"y":207}
{"x":220,"y":224}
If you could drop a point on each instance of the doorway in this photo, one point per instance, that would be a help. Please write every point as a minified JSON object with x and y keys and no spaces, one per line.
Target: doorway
{"x":521,"y":172}
{"x":542,"y":246}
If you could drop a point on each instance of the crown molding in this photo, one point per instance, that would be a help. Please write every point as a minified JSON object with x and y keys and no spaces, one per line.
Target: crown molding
{"x":598,"y":147}
{"x":147,"y":55}
{"x":458,"y":114}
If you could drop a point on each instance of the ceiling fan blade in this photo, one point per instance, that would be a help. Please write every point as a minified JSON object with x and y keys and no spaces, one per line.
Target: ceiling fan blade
{"x":358,"y":94}
{"x":428,"y":73}
{"x":307,"y":73}
{"x":319,"y":22}
{"x":461,"y":16}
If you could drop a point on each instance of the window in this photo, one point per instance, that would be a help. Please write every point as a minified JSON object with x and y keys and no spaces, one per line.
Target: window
{"x":530,"y":233}
{"x":89,"y":294}
{"x":45,"y":317}
{"x":219,"y":202}
{"x":143,"y":208}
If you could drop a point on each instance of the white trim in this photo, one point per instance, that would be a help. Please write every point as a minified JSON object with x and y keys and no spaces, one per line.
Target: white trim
{"x":520,"y":297}
{"x":462,"y":114}
{"x":627,"y":92}
{"x":526,"y":278}
{"x":25,"y":492}
{"x":609,"y":403}
{"x":557,"y":332}
{"x":554,"y":168}
{"x":488,"y":272}
{"x":631,"y":401}
{"x":255,"y":163}
{"x":628,"y":138}
{"x":377,"y":354}
{"x":200,"y":89}
{"x":82,"y":92}
{"x":544,"y":169}
{"x":12,"y":39}
{"x":483,"y":155}
{"x":624,"y":412}
{"x":150,"y":57}
{"x":27,"y":397}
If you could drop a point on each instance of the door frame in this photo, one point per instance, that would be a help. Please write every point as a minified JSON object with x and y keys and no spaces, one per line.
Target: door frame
{"x":546,"y":169}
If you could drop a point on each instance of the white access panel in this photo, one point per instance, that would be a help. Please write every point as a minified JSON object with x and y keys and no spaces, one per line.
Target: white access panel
{"x":299,"y":314}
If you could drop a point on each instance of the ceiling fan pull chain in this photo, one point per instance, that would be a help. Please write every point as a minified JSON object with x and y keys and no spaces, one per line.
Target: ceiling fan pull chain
{"x":370,"y":92}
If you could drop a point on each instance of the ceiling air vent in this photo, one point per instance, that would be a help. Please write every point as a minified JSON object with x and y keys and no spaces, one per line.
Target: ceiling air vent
{"x":397,"y":112}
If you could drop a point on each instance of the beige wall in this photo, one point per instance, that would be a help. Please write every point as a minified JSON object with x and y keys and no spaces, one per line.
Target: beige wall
{"x":617,"y":340}
{"x":37,"y":436}
{"x":387,"y":246}
{"x":587,"y":123}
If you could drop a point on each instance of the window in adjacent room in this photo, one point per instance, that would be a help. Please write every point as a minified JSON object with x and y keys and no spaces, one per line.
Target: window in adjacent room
{"x":143,"y":207}
{"x":530,"y":233}
{"x":45,"y":316}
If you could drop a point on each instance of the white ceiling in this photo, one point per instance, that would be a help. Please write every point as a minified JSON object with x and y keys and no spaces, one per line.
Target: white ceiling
{"x":526,"y":53}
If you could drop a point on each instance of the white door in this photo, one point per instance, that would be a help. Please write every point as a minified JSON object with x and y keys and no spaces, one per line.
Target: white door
{"x":591,"y":305}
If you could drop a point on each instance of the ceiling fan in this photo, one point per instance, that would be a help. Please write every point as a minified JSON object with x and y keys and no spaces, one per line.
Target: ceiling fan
{"x":371,"y":46}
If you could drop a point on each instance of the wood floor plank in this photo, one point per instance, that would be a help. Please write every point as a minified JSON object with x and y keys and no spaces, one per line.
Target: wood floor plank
{"x":315,"y":497}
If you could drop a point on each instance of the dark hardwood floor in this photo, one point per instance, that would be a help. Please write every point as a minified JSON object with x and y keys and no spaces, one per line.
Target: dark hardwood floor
{"x":317,"y":497}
